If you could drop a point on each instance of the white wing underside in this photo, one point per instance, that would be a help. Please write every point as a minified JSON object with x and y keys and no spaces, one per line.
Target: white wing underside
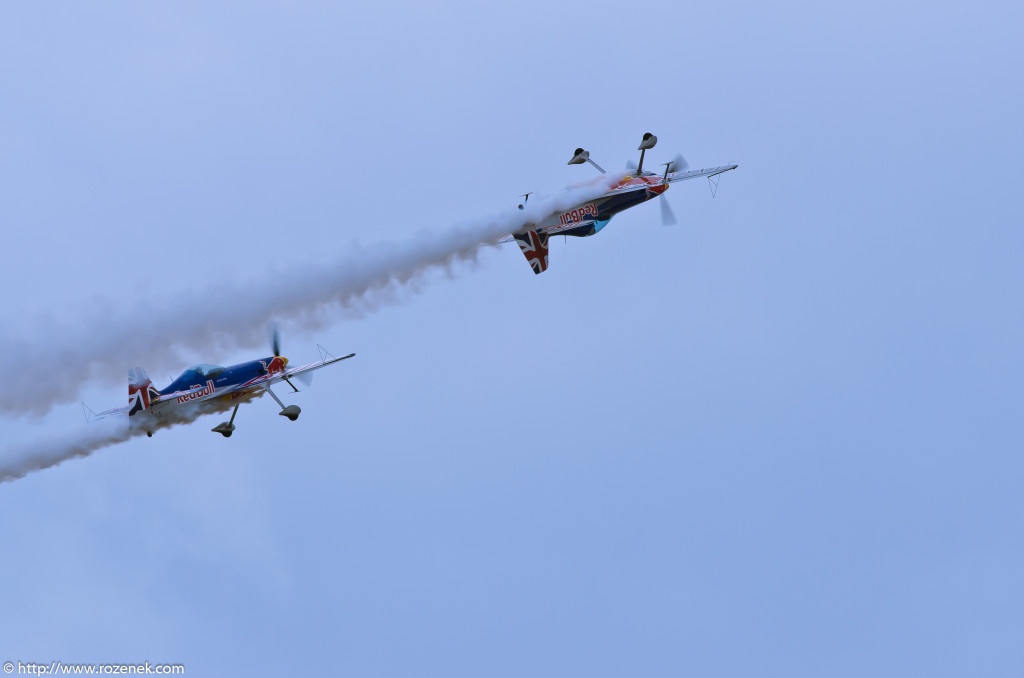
{"x":695,"y":174}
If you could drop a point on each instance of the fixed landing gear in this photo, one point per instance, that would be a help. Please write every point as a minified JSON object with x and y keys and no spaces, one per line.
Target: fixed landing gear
{"x":226,"y":428}
{"x":292,"y":411}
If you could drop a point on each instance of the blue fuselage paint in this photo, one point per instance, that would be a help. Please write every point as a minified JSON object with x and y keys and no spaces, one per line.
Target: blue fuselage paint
{"x":608,"y":208}
{"x":222,"y":377}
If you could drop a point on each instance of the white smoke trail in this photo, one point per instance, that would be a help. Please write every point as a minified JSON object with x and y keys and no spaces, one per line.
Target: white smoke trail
{"x":55,"y":359}
{"x":20,"y":459}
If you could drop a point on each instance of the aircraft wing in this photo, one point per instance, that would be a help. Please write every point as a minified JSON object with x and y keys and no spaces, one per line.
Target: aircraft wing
{"x":310,"y":367}
{"x":268,"y":379}
{"x":258,"y":382}
{"x":124,"y":409}
{"x":555,"y":230}
{"x":694,"y":174}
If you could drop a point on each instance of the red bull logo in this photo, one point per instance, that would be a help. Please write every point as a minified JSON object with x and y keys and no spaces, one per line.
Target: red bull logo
{"x":579,"y":214}
{"x":196,"y":392}
{"x":276,"y":365}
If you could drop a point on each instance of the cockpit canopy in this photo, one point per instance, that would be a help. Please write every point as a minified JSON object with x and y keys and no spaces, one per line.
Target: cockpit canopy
{"x":206,"y":370}
{"x":197,"y":375}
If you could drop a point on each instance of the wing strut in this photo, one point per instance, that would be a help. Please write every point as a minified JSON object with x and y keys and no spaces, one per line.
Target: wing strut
{"x":713,"y":184}
{"x":90,"y":416}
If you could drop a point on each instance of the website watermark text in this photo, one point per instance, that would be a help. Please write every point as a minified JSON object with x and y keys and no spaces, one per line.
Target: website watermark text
{"x":59,"y":668}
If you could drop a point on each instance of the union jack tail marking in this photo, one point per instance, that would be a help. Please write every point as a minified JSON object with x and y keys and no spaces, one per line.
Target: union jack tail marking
{"x":535,"y":248}
{"x":141,"y":391}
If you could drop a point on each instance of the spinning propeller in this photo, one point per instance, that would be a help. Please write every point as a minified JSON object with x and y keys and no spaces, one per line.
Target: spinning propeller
{"x":275,"y":341}
{"x":668,"y":217}
{"x":305,"y":378}
{"x":678,"y":164}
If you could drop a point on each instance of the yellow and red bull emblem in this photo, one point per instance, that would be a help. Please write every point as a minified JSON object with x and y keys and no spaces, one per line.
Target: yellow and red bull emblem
{"x":276,"y":365}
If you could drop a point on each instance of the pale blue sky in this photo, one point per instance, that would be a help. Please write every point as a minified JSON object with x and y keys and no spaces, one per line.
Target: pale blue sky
{"x":781,"y":438}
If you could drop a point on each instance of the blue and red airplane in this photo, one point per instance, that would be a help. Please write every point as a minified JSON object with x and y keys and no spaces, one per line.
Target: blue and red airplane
{"x":636,"y":187}
{"x":203,"y":389}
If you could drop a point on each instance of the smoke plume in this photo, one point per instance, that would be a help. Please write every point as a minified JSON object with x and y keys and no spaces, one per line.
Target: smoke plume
{"x":20,"y":459}
{"x":56,"y":358}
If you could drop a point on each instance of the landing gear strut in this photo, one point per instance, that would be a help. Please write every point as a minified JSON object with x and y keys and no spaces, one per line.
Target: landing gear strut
{"x":226,"y":428}
{"x":291,"y":411}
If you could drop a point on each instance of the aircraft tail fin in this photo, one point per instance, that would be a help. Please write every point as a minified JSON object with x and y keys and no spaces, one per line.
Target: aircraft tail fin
{"x":141,"y":391}
{"x":535,"y":248}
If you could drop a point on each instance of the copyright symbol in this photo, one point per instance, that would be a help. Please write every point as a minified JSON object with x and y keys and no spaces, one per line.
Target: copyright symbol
{"x":8,"y":667}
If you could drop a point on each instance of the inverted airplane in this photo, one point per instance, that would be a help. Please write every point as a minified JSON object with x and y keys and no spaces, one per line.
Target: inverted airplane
{"x":589,"y":218}
{"x":202,"y":389}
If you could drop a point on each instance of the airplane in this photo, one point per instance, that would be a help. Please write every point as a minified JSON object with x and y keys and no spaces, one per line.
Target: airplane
{"x":203,"y":389}
{"x":589,"y":218}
